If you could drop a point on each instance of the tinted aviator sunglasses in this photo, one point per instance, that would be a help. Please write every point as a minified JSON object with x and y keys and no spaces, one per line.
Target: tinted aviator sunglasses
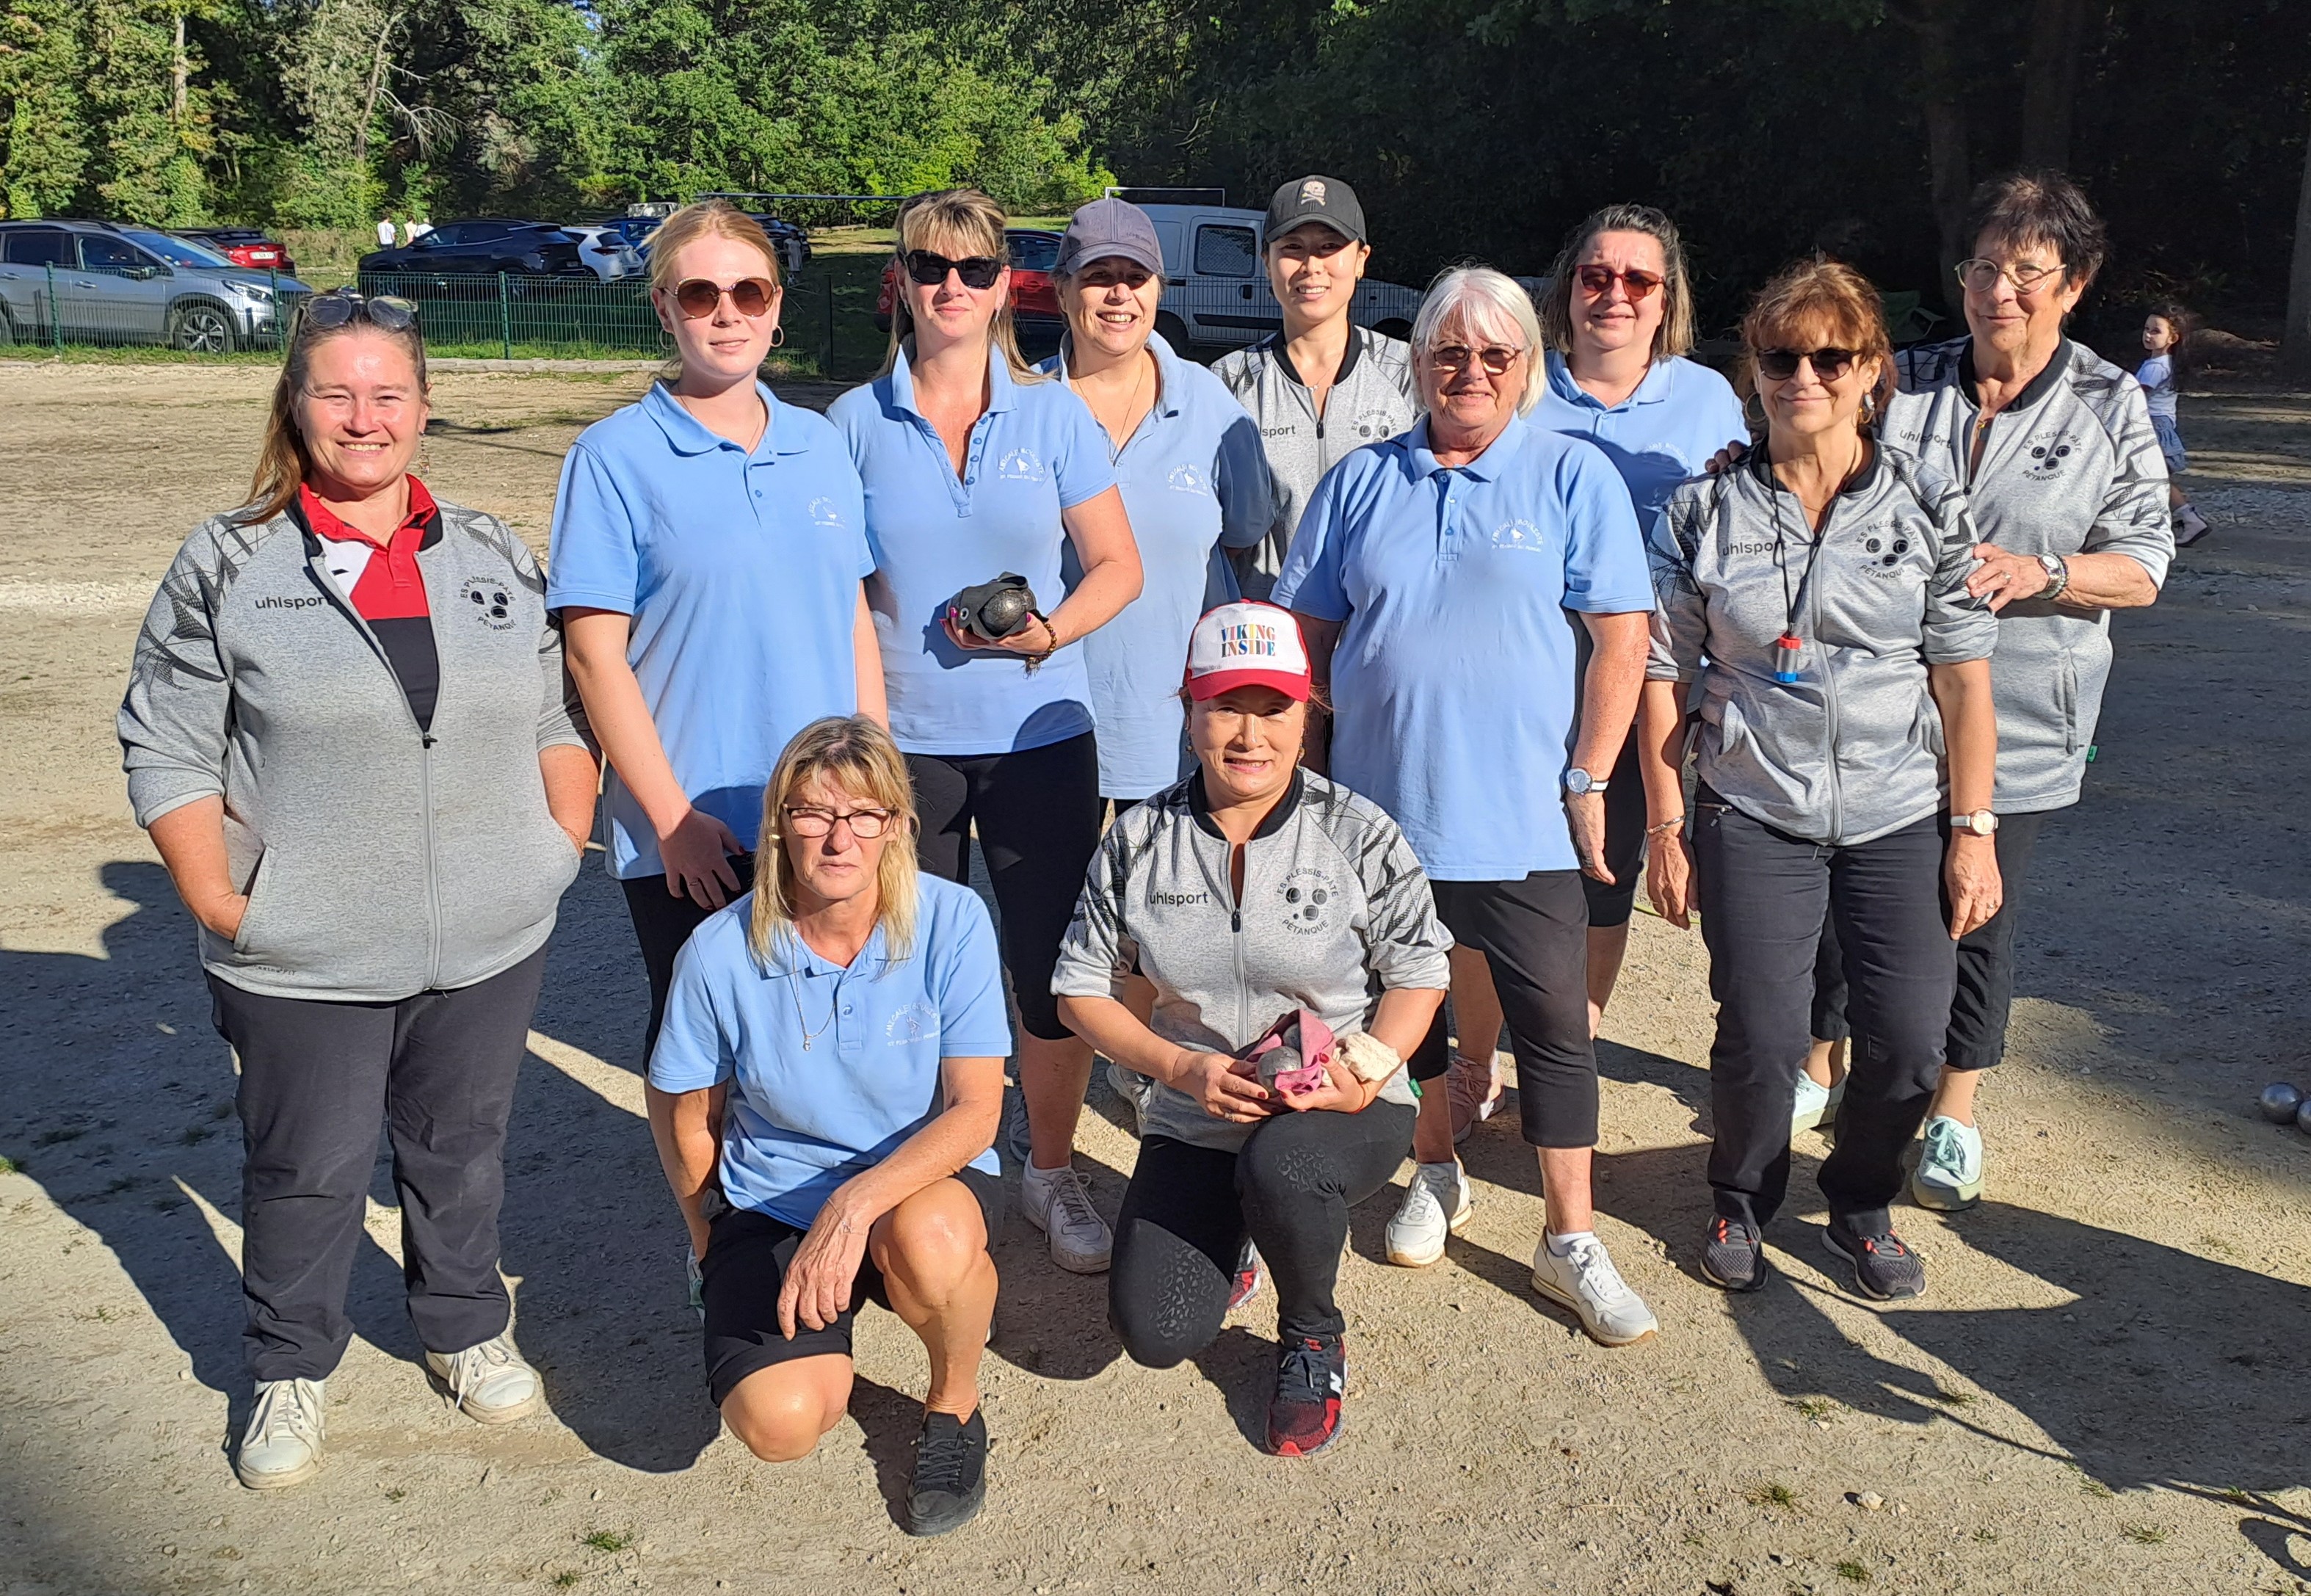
{"x":342,"y":305}
{"x":699,"y":297}
{"x":1597,"y":279}
{"x":930,"y":269}
{"x":1496,"y":357}
{"x":1779,"y":365}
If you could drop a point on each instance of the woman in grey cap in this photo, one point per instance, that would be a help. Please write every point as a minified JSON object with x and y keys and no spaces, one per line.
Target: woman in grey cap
{"x":1322,"y":387}
{"x":1819,"y":592}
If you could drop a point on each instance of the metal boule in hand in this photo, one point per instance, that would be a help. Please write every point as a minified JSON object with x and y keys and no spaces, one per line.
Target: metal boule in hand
{"x":993,"y":610}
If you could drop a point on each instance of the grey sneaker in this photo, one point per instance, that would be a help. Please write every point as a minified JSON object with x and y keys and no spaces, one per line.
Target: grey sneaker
{"x":1057,"y":1205}
{"x":1435,"y":1205}
{"x":489,"y":1384}
{"x":282,"y":1445}
{"x":1885,"y":1270}
{"x":1585,"y":1281}
{"x":1733,"y":1255}
{"x":1948,"y":1176}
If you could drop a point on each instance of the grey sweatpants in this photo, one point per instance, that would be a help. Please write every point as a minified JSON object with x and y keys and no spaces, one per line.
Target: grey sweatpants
{"x":316,"y":1077}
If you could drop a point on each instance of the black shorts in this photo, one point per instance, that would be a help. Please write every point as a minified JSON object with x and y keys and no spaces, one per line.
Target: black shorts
{"x":744,"y":1268}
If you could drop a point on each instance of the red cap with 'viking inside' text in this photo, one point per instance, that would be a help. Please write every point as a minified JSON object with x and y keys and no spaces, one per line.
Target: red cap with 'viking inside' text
{"x":1248,"y":644}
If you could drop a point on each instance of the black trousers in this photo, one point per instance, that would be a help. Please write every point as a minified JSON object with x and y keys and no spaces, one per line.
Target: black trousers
{"x":662,"y":924}
{"x":315,"y":1077}
{"x":1625,"y":842}
{"x":1038,"y":812}
{"x":1764,"y":896}
{"x":1986,"y":963}
{"x":1534,"y":934}
{"x":1188,"y":1209}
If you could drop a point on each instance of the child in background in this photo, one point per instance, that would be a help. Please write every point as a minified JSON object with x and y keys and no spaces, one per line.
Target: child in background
{"x":2165,"y":335}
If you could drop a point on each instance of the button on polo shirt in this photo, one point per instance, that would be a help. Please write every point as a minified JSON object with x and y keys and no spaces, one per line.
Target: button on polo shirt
{"x":1663,"y":433}
{"x":1453,"y":680}
{"x":741,"y":570}
{"x":1193,"y":477}
{"x":1035,"y":452}
{"x":800,"y":1121}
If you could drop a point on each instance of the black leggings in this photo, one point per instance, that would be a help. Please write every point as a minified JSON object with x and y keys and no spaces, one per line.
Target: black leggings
{"x":1038,"y":814}
{"x":662,"y":924}
{"x":1189,"y":1209}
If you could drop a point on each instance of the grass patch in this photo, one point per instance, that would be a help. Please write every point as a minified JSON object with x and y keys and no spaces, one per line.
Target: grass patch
{"x":12,"y":1166}
{"x":1814,"y":1407}
{"x":609,"y":1540}
{"x":1985,"y":1535}
{"x":1854,"y":1571}
{"x":565,"y":1579}
{"x":1772,"y":1493}
{"x":2146,"y":1534}
{"x":396,"y":1493}
{"x":2091,"y":1486}
{"x":1955,"y":1399}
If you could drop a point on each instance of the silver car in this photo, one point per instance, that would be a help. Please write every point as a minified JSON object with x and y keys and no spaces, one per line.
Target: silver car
{"x":103,"y":283}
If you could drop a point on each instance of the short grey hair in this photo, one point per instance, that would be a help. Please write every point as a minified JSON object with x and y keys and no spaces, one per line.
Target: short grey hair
{"x":1488,"y":304}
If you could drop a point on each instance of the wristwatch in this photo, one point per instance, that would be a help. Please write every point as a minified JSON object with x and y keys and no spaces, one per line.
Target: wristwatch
{"x":2058,"y":575}
{"x":1980,"y":822}
{"x":1578,"y":781}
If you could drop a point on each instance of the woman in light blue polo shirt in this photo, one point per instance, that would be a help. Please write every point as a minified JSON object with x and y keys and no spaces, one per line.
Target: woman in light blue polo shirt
{"x":976,"y":466}
{"x":709,"y":545}
{"x":1618,"y":319}
{"x":824,"y":1099}
{"x":1434,"y":574}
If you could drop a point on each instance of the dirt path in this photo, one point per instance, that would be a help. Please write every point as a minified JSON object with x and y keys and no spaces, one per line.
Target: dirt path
{"x":2102,"y":1392}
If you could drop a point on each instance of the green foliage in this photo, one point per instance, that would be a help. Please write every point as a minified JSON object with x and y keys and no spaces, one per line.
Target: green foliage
{"x":155,"y":142}
{"x":43,"y":117}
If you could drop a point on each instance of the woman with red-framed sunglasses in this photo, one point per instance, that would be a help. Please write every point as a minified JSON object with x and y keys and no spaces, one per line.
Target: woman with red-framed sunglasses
{"x":710,"y":544}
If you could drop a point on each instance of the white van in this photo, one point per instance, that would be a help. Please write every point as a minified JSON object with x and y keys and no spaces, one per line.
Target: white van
{"x":1215,"y":293}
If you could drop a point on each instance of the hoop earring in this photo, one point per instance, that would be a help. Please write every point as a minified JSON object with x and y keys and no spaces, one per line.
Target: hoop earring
{"x":778,"y":336}
{"x":1869,"y":409}
{"x":1755,"y":419}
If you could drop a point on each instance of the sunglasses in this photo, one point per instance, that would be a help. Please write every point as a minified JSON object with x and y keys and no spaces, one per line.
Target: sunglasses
{"x":1596,"y":281}
{"x":1496,"y":357}
{"x":1779,"y":365}
{"x":340,"y":307}
{"x":866,"y":824}
{"x":699,"y":297}
{"x":977,"y":270}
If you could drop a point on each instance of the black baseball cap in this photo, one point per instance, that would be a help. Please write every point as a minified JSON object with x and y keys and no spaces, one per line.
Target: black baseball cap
{"x":1315,"y":199}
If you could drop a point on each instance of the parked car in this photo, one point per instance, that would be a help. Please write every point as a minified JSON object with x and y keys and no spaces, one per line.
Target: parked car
{"x":1035,"y":300}
{"x":482,"y":248}
{"x":1215,"y":293}
{"x":791,"y":242}
{"x":244,"y":247}
{"x":609,"y":255}
{"x":93,"y":280}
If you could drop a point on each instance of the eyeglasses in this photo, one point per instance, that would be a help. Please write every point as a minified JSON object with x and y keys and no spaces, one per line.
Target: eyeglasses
{"x":1981,"y":276}
{"x":1107,"y":273}
{"x":339,"y":307}
{"x":1496,"y":357}
{"x":1779,"y":365}
{"x":1596,"y":281}
{"x":700,"y":297}
{"x":866,"y":824}
{"x":977,"y":270}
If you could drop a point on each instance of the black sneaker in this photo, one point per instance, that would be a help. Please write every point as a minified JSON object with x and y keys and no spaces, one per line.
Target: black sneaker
{"x":950,"y":1483}
{"x":1884,"y":1268}
{"x":1304,"y":1416}
{"x":1733,"y":1255}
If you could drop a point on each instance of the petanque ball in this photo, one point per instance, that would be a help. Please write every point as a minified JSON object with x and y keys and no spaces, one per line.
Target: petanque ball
{"x":2280,"y":1103}
{"x":1005,"y":611}
{"x":2303,"y":1116}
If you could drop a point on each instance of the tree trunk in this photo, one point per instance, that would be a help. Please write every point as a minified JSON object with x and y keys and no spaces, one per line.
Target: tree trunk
{"x":2050,"y":81}
{"x":179,"y":69}
{"x":1941,"y":90}
{"x":377,"y":64}
{"x":2295,"y":345}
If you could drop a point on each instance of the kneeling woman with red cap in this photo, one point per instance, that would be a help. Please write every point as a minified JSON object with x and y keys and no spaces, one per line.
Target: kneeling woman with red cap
{"x":1263,"y":902}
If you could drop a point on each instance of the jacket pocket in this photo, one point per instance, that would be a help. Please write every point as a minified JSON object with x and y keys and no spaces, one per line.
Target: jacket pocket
{"x":2066,"y":692}
{"x":244,"y":934}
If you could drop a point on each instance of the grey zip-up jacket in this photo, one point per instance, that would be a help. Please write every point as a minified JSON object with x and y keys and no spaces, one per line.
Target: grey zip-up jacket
{"x":1335,"y":911}
{"x":2070,"y":466}
{"x":379,"y":860}
{"x":1853,"y":749}
{"x":1372,"y":398}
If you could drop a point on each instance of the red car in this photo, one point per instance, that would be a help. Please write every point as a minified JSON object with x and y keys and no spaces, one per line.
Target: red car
{"x":244,"y":247}
{"x":1034,"y":301}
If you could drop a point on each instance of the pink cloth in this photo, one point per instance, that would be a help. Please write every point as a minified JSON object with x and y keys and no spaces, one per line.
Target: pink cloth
{"x":1291,"y":1054}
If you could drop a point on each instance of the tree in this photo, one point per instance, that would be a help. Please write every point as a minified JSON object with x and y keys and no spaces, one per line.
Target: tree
{"x":2295,"y":346}
{"x":151,"y":164}
{"x":332,"y":67}
{"x":2050,"y":81}
{"x":43,"y":117}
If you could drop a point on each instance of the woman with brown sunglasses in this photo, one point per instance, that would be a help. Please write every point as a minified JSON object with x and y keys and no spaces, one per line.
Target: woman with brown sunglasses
{"x":710,"y":544}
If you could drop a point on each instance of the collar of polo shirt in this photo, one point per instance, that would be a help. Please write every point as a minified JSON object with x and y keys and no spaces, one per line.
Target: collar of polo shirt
{"x":1001,"y":390}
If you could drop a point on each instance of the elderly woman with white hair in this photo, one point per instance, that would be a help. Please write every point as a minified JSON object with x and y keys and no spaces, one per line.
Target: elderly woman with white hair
{"x":1434,"y":576}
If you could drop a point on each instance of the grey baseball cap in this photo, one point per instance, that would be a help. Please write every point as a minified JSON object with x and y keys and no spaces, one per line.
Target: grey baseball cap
{"x":1322,"y":199}
{"x":1110,"y":228}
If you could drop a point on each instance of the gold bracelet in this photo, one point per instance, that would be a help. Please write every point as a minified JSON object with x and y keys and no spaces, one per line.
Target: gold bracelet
{"x":1664,"y":827}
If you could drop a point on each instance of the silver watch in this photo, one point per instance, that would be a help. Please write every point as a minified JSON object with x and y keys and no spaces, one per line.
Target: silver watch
{"x":2058,"y":575}
{"x":1982,"y":823}
{"x":1578,"y":781}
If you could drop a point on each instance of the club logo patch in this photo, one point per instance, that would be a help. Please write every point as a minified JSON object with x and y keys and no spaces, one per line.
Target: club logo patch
{"x":916,"y":1021}
{"x":1309,"y":898}
{"x":1187,"y":479}
{"x":1520,"y":535}
{"x":1021,"y":465}
{"x":825,"y":513}
{"x":491,"y":602}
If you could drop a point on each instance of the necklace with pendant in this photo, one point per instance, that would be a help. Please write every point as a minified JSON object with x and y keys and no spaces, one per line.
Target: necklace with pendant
{"x":809,"y":1035}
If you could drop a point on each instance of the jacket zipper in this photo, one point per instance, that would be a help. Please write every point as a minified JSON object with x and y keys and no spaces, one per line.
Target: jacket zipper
{"x":1828,"y":685}
{"x":1223,"y":884}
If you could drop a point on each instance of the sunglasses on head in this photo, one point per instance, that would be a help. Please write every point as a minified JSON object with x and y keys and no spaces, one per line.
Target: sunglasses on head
{"x":930,"y":270}
{"x":1496,"y":357}
{"x":1779,"y":365}
{"x":342,"y":305}
{"x":699,"y":297}
{"x":1597,"y":280}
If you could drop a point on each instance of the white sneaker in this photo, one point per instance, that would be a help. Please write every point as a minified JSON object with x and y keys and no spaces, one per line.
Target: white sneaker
{"x":1586,"y":1282}
{"x":1056,"y":1203}
{"x":490,"y":1382}
{"x":1135,"y":1089}
{"x":282,"y":1445}
{"x":1437,"y":1203}
{"x":1948,"y":1176}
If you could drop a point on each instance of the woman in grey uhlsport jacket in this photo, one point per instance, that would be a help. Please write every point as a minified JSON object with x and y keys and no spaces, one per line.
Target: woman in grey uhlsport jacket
{"x":1819,"y":592}
{"x":349,"y":733}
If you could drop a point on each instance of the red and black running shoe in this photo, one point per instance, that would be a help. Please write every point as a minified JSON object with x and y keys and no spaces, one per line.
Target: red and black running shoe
{"x":1304,"y":1416}
{"x":1249,"y":1273}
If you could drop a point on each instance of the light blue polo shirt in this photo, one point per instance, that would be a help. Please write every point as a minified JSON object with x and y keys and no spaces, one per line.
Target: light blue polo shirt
{"x":741,"y":573}
{"x":1665,"y":432}
{"x":1453,"y":682}
{"x":800,"y":1121}
{"x":1194,"y":480}
{"x":1035,"y":452}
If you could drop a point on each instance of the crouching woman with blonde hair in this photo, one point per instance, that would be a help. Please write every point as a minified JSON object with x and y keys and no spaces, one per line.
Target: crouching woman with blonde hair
{"x":829,"y":1079}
